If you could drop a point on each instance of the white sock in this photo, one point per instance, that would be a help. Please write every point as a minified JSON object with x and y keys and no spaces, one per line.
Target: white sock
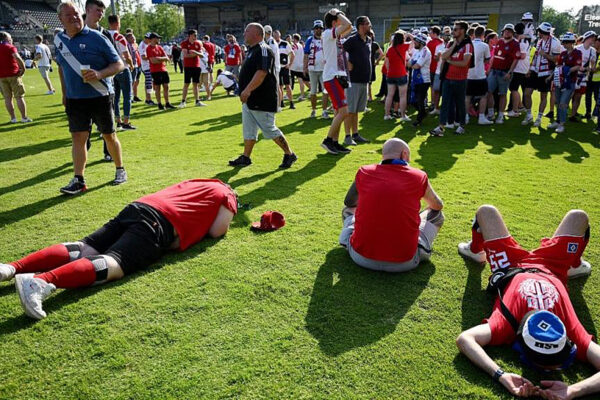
{"x":481,"y":116}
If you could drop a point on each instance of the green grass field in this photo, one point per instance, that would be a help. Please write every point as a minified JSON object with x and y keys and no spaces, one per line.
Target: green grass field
{"x":284,"y":314}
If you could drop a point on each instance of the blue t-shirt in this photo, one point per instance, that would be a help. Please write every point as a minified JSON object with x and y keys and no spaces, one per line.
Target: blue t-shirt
{"x":88,"y":47}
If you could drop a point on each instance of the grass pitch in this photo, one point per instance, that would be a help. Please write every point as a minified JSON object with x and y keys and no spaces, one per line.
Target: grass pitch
{"x":284,"y":314}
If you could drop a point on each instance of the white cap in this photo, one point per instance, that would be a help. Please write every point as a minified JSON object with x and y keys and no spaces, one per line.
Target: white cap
{"x":545,"y":27}
{"x":268,"y":29}
{"x":509,"y":26}
{"x":527,"y":16}
{"x":568,"y":37}
{"x":589,"y":34}
{"x":318,"y":23}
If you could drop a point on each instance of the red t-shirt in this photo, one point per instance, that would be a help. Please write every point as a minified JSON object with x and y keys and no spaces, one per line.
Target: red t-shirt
{"x":537,"y":291}
{"x":232,"y":54}
{"x":459,"y":73}
{"x":156,"y":51}
{"x":210,"y":50}
{"x":432,"y":45}
{"x":387,"y":216}
{"x":397,"y":61}
{"x":192,"y":62}
{"x":570,"y":60}
{"x":8,"y":63}
{"x":505,"y":53}
{"x":192,"y":206}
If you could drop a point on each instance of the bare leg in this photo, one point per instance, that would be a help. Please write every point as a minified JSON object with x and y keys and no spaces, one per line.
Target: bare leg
{"x":184,"y":91}
{"x":166,"y":93}
{"x":9,"y":107}
{"x":402,"y":94}
{"x":79,"y":151}
{"x":575,"y":104}
{"x":157,"y":93}
{"x":574,"y":223}
{"x":22,"y":107}
{"x":248,"y":146}
{"x":282,"y":142}
{"x":313,"y":101}
{"x":491,"y":224}
{"x":389,"y":98}
{"x":334,"y":129}
{"x":325,"y":101}
{"x":114,"y":148}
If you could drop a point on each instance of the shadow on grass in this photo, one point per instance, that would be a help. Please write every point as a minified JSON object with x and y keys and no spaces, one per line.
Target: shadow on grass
{"x":218,"y":123}
{"x":66,"y":297}
{"x":305,"y":125}
{"x":476,"y":302}
{"x":352,"y":307}
{"x":548,"y":143}
{"x":439,"y":154}
{"x":44,"y":176}
{"x":583,"y":312}
{"x":14,"y":153}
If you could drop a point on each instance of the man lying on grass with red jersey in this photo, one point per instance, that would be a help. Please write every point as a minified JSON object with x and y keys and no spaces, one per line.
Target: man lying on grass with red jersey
{"x":532,"y":309}
{"x":172,"y":219}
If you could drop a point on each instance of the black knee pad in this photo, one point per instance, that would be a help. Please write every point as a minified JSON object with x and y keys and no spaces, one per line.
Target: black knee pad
{"x":74,"y":250}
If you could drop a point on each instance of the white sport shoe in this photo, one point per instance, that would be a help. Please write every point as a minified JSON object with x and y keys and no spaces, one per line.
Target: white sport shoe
{"x":500,"y":119}
{"x":484,"y":121}
{"x":528,"y":119}
{"x":387,"y":117}
{"x":435,"y":111}
{"x":553,"y":125}
{"x":13,"y":121}
{"x":449,"y":126}
{"x":325,"y":115}
{"x":406,"y":118}
{"x":26,"y":120}
{"x":584,"y":269}
{"x":459,"y":131}
{"x":560,"y":129}
{"x":182,"y":105}
{"x":513,"y":114}
{"x":50,"y":92}
{"x":7,"y":272}
{"x":464,"y":249}
{"x":32,"y":292}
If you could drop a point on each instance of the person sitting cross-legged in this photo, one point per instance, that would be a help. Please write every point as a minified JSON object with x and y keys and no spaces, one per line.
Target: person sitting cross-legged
{"x":384,"y":229}
{"x":174,"y":218}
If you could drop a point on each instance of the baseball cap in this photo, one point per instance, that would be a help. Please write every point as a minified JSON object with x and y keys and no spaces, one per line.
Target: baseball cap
{"x":154,"y":35}
{"x":268,"y":29}
{"x":568,"y":37}
{"x":424,"y":30}
{"x":318,"y":23}
{"x":527,"y":16}
{"x":545,"y":27}
{"x":269,"y":221}
{"x":147,"y":35}
{"x":421,"y":38}
{"x":509,"y":26}
{"x":589,"y":34}
{"x":542,"y":340}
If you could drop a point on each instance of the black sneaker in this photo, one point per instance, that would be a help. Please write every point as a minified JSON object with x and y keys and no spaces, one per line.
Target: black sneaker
{"x":549,"y":114}
{"x":119,"y":125}
{"x":128,"y":126}
{"x":292,"y":106}
{"x":241,"y":161}
{"x":437,"y":131}
{"x":359,"y":139}
{"x":588,"y":116}
{"x":170,"y":106}
{"x":161,"y":107}
{"x":150,"y":103}
{"x":288,"y":160}
{"x":573,"y":118}
{"x":341,"y":149}
{"x":75,"y":186}
{"x":329,"y":146}
{"x":136,"y":99}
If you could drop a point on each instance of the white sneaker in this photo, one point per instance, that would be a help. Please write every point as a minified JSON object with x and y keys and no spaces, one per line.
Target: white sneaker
{"x":387,"y":117}
{"x":50,"y":92}
{"x":537,"y":122}
{"x":484,"y":121}
{"x":300,"y":98}
{"x":584,"y":269}
{"x":279,"y":109}
{"x":464,"y":249}
{"x":560,"y":129}
{"x":13,"y":121}
{"x":325,"y":115}
{"x":513,"y":114}
{"x":528,"y":119}
{"x":459,"y":131}
{"x":26,"y":120}
{"x":434,"y":112}
{"x":313,"y":114}
{"x":449,"y":126}
{"x":32,"y":292}
{"x":406,"y":118}
{"x":456,"y":125}
{"x":182,"y":104}
{"x":553,"y":125}
{"x":500,"y":119}
{"x":7,"y":272}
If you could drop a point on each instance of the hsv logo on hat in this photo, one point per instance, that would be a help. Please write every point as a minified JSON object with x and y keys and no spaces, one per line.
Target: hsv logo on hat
{"x":269,"y":221}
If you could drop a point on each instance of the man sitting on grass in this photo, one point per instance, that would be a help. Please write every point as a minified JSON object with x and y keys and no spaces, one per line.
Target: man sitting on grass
{"x":172,"y":219}
{"x":533,"y":310}
{"x":383,"y":227}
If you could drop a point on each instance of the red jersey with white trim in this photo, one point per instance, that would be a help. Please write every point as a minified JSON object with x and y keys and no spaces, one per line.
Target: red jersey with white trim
{"x":455,"y":73}
{"x":120,"y":44}
{"x":191,"y":207}
{"x":572,"y":59}
{"x":156,"y":51}
{"x":505,"y":53}
{"x":191,"y":62}
{"x":232,"y":54}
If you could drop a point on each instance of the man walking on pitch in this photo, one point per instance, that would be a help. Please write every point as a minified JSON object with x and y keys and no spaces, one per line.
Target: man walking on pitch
{"x":122,"y":80}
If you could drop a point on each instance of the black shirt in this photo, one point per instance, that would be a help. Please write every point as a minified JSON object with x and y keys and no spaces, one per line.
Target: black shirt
{"x":359,"y":54}
{"x":176,"y":52}
{"x":263,"y":98}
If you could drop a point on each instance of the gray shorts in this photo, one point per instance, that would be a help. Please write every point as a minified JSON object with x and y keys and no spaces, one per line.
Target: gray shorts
{"x":316,"y":78}
{"x":437,"y":83}
{"x":427,"y":234}
{"x":234,"y":69}
{"x":495,"y":80}
{"x":252,"y":120}
{"x":356,"y":95}
{"x":44,"y":71}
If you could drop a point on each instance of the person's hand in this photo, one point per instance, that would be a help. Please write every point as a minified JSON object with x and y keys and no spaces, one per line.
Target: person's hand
{"x":21,"y":72}
{"x":244,"y":95}
{"x":350,"y":66}
{"x":507,"y":76}
{"x":91,"y":75}
{"x":528,"y":74}
{"x":554,"y":390}
{"x":517,"y":385}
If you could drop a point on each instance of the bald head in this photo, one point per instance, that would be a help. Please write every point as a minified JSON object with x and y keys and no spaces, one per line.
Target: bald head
{"x":395,"y":149}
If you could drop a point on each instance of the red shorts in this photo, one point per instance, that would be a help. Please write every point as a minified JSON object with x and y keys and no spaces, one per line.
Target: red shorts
{"x":336,"y":93}
{"x":581,"y":90}
{"x":556,"y":255}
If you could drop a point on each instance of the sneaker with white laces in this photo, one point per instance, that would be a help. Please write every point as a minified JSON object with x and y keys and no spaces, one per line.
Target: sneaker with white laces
{"x":584,"y":269}
{"x":537,"y":123}
{"x":7,"y":272}
{"x":32,"y":292}
{"x":120,"y":176}
{"x":464,"y":249}
{"x":500,"y":120}
{"x":553,"y":125}
{"x":513,"y":114}
{"x":50,"y":92}
{"x":528,"y":119}
{"x":348,"y":141}
{"x":405,"y":118}
{"x":560,"y":128}
{"x":182,"y":104}
{"x":75,"y":186}
{"x":387,"y":117}
{"x":459,"y":131}
{"x":313,"y":114}
{"x":26,"y":120}
{"x":484,"y":121}
{"x":200,"y":104}
{"x":437,"y":131}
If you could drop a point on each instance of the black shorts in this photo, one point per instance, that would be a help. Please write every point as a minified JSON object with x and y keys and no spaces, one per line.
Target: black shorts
{"x":517,"y":81}
{"x":136,"y":238}
{"x":298,"y":74}
{"x":477,"y":87}
{"x":191,"y":74}
{"x":160,"y":78}
{"x":98,"y":110}
{"x":538,"y":83}
{"x":284,"y":77}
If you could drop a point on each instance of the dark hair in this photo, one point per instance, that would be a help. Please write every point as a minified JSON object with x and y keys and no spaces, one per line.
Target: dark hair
{"x":470,"y":31}
{"x":490,"y":36}
{"x":329,"y":20}
{"x":360,"y":20}
{"x":192,"y":32}
{"x":398,"y":38}
{"x":129,"y":30}
{"x":39,"y":37}
{"x":98,"y":3}
{"x":479,"y":31}
{"x":462,"y":24}
{"x":113,"y":19}
{"x":520,"y":28}
{"x":474,"y":25}
{"x":487,"y":31}
{"x":297,"y":36}
{"x":206,"y":38}
{"x":219,"y":71}
{"x":436,"y":29}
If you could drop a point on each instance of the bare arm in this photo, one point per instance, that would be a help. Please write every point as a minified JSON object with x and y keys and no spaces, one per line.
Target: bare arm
{"x":221,"y":224}
{"x":432,"y":199}
{"x":62,"y":86}
{"x":158,"y":60}
{"x":20,"y":62}
{"x":351,"y":199}
{"x":306,"y":63}
{"x":290,"y":59}
{"x":344,"y":27}
{"x":380,"y":56}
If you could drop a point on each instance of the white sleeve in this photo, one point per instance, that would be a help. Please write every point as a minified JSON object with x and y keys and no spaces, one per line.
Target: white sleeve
{"x":488,"y":54}
{"x":556,"y":49}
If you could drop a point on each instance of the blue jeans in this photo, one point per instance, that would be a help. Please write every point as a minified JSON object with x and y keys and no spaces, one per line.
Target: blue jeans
{"x":453,"y":97}
{"x":122,"y":83}
{"x":563,"y":96}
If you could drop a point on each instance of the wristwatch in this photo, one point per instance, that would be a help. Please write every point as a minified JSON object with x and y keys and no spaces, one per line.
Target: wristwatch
{"x":499,"y":372}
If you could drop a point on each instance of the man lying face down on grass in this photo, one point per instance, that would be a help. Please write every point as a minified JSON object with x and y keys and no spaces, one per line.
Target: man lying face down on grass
{"x":533,"y":311}
{"x":171,"y":219}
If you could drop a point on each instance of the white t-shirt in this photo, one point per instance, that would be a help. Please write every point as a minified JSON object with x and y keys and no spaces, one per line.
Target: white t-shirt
{"x":167,"y":50}
{"x":523,"y":65}
{"x":203,"y":61}
{"x":142,"y":50}
{"x":120,"y":44}
{"x":44,"y":51}
{"x":423,"y":58}
{"x":438,"y":51}
{"x":333,"y":52}
{"x":275,"y":47}
{"x":540,"y":64}
{"x":226,"y":79}
{"x":482,"y":52}
{"x":588,"y":59}
{"x":298,"y":64}
{"x":316,"y":58}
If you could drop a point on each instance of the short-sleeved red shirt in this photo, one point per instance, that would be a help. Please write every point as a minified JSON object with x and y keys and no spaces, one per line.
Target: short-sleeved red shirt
{"x":397,"y":61}
{"x":571,"y":60}
{"x":432,"y":45}
{"x":210,"y":50}
{"x":8,"y":64}
{"x":387,"y":216}
{"x":156,"y":51}
{"x":192,"y":206}
{"x":455,"y":73}
{"x":537,"y":291}
{"x":232,"y":54}
{"x":505,"y":53}
{"x":191,"y":62}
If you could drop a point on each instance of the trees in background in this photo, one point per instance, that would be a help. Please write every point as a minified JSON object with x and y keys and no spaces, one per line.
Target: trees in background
{"x":561,"y":21}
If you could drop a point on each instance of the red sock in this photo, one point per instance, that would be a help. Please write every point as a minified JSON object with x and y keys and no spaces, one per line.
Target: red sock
{"x":79,"y":273}
{"x":43,"y":260}
{"x":476,"y":238}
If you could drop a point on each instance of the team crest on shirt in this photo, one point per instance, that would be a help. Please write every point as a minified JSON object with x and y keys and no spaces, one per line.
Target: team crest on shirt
{"x":572,"y":248}
{"x":82,"y":46}
{"x":539,"y":294}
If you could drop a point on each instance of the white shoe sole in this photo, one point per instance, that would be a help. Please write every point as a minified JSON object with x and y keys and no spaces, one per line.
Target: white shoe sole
{"x":29,"y":311}
{"x":468,"y":254}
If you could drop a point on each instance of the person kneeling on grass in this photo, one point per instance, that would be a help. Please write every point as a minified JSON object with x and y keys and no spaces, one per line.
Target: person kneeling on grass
{"x":533,"y":310}
{"x":228,"y":80}
{"x":383,"y":229}
{"x":172,"y":219}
